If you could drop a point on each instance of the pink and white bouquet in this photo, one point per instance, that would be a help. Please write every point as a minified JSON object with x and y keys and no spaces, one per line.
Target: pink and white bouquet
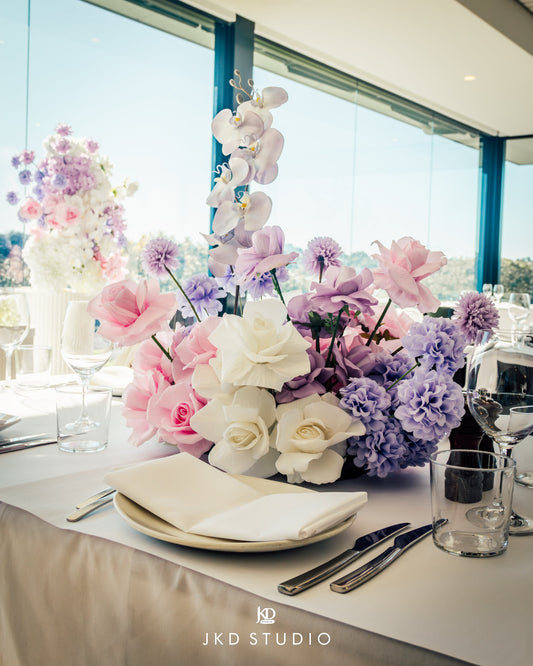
{"x":330,"y":381}
{"x":78,"y":237}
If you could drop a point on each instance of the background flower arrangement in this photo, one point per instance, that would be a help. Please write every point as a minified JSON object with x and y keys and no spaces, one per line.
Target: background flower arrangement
{"x":78,"y":238}
{"x":330,"y":379}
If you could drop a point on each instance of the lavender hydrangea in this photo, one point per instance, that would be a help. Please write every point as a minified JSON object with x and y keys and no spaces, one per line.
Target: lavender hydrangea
{"x":12,"y":198}
{"x":204,"y":293}
{"x":432,"y":404}
{"x":475,"y":312}
{"x":380,"y":451}
{"x":25,"y":176}
{"x":437,"y":343}
{"x":417,"y":452}
{"x":367,"y":401}
{"x":263,"y":285}
{"x":159,"y":255}
{"x":321,"y":253}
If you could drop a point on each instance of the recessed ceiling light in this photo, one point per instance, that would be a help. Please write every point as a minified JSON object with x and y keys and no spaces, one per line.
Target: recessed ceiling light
{"x":469,"y":77}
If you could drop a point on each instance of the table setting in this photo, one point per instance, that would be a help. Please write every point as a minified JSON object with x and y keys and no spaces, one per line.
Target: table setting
{"x":318,"y":461}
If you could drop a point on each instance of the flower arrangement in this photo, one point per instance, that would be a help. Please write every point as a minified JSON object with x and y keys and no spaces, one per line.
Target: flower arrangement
{"x":331,"y":379}
{"x":79,"y":233}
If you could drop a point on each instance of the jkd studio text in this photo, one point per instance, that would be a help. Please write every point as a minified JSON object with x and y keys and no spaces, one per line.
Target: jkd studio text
{"x":266,"y":638}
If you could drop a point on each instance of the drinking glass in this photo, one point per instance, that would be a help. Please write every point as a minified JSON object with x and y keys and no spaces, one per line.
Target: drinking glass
{"x":498,"y":293}
{"x":14,"y":324}
{"x":519,"y":305}
{"x":499,"y":390}
{"x":85,"y":351}
{"x":487,"y":289}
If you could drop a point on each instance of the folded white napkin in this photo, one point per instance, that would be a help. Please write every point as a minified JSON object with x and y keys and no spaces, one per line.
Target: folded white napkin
{"x":200,"y":499}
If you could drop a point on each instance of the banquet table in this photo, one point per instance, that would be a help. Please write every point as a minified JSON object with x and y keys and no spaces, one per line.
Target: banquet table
{"x":100,"y":592}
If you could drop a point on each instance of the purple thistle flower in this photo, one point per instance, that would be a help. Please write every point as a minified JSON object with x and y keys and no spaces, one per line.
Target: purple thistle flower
{"x":431,"y":406}
{"x":203,"y":292}
{"x":437,"y":343}
{"x":15,"y":161}
{"x":25,"y":176}
{"x":321,"y":253}
{"x":160,"y":254}
{"x":12,"y":198}
{"x":381,"y":451}
{"x":366,"y":401}
{"x":63,"y":130}
{"x":475,"y":312}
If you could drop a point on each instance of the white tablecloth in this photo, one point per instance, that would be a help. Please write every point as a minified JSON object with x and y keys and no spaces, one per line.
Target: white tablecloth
{"x":99,"y":592}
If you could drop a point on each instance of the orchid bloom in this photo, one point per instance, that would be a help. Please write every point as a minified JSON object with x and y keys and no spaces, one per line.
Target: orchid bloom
{"x":253,"y":209}
{"x":234,"y":130}
{"x":269,"y":98}
{"x":232,"y":174}
{"x":262,"y":156}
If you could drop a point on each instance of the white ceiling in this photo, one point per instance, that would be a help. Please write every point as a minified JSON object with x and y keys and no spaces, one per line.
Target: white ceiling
{"x":421,"y":49}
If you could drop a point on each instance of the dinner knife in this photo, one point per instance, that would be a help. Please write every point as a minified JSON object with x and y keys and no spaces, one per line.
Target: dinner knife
{"x":24,"y":438}
{"x":372,"y":568}
{"x":318,"y":574}
{"x":7,"y":448}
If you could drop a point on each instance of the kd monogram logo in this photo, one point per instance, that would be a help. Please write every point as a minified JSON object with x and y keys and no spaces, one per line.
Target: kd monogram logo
{"x":265,"y":615}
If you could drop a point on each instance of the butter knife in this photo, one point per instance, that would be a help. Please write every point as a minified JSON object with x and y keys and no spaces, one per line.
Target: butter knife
{"x":7,"y":448}
{"x":24,"y":438}
{"x":372,"y":568}
{"x":318,"y":574}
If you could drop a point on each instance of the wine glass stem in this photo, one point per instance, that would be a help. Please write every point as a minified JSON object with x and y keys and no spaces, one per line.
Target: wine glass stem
{"x":8,"y":357}
{"x":84,"y":389}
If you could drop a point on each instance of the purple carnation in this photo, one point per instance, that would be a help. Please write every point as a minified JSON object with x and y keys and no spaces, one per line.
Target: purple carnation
{"x":203,"y":292}
{"x":389,"y":369}
{"x":263,"y":285}
{"x":475,"y":312}
{"x":25,"y":176}
{"x":417,"y":452}
{"x":431,"y":406}
{"x":306,"y":385}
{"x":159,"y":255}
{"x":15,"y":161}
{"x":367,"y":401}
{"x":12,"y":198}
{"x":321,"y":253}
{"x":381,"y":450}
{"x":437,"y":343}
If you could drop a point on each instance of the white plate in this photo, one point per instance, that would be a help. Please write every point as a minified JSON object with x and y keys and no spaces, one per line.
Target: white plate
{"x":146,"y":522}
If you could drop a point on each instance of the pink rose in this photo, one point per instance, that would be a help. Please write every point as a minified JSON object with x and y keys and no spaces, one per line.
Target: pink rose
{"x":30,"y":209}
{"x":401,"y":270}
{"x":130,"y":313}
{"x":64,"y":215}
{"x":137,"y":396}
{"x":115,"y":267}
{"x":172,"y":410}
{"x":195,"y":348}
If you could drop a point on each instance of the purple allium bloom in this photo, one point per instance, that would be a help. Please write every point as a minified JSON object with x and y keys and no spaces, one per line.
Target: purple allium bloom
{"x":321,"y":253}
{"x":381,"y":450}
{"x":12,"y":198}
{"x":203,"y":292}
{"x":25,"y":176}
{"x":475,"y":312}
{"x":306,"y":385}
{"x":59,"y":181}
{"x":15,"y":161}
{"x":158,"y":254}
{"x":366,"y":401}
{"x":63,"y":130}
{"x":437,"y":343}
{"x":431,"y":406}
{"x":92,"y":146}
{"x":27,"y":156}
{"x":344,"y":286}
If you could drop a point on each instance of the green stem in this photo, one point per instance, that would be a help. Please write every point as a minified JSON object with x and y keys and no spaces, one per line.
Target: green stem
{"x":396,"y":351}
{"x":184,"y":294}
{"x":276,"y":285}
{"x":165,"y":352}
{"x":330,"y":350}
{"x":382,"y":316}
{"x":416,"y":365}
{"x":237,"y":295}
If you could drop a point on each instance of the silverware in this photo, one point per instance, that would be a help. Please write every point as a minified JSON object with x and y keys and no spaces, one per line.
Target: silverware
{"x":25,"y":444}
{"x":372,"y":568}
{"x":24,"y":438}
{"x":87,"y":509}
{"x":7,"y":420}
{"x":318,"y":574}
{"x":95,"y":498}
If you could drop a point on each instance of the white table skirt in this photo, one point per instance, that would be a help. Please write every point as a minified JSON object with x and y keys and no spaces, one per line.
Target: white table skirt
{"x":99,"y":592}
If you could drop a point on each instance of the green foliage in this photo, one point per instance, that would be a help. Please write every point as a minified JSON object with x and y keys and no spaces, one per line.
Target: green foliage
{"x":517,"y":275}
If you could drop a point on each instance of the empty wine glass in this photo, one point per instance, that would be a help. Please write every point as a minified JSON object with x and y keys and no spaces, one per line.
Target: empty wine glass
{"x":499,"y":391}
{"x":487,"y":289}
{"x":14,"y":324}
{"x":498,"y":293}
{"x":85,"y":352}
{"x":519,"y":305}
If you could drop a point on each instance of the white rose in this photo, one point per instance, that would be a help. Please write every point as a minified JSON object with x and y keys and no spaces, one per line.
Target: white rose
{"x":261,"y":348}
{"x":311,"y":438}
{"x":242,"y":427}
